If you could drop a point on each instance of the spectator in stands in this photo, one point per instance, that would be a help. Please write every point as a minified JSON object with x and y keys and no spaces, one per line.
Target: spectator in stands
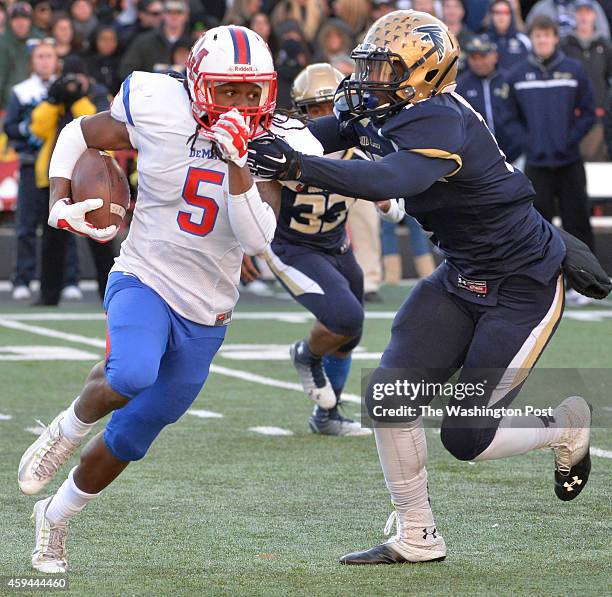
{"x":356,"y":15}
{"x":151,"y":50}
{"x":512,"y":45}
{"x":487,"y":90}
{"x":562,"y":13}
{"x":260,"y":23}
{"x":594,"y":52}
{"x":553,"y":100}
{"x":309,"y":13}
{"x":293,"y":55}
{"x":180,"y":53}
{"x":333,"y":39}
{"x":3,"y":18}
{"x":454,"y":12}
{"x":241,"y":12}
{"x":430,"y":6}
{"x":63,"y":33}
{"x":344,"y":63}
{"x":84,"y":22}
{"x":103,"y":59}
{"x":150,"y":14}
{"x":72,"y":95}
{"x":42,"y":17}
{"x":14,"y":55}
{"x":607,"y":122}
{"x":32,"y":202}
{"x":423,"y":260}
{"x":364,"y":226}
{"x":380,"y":8}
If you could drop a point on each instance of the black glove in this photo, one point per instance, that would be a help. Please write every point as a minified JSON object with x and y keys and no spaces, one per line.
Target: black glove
{"x":66,"y":90}
{"x":582,"y":269}
{"x":272,"y":158}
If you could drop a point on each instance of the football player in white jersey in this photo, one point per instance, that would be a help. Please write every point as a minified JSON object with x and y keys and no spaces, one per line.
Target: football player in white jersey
{"x":173,"y":287}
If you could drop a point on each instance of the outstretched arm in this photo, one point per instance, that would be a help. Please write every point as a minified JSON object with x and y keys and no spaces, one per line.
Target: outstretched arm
{"x":400,"y":174}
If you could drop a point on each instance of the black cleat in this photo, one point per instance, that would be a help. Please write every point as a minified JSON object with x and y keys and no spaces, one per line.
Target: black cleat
{"x":381,"y":554}
{"x":572,"y":458}
{"x":568,"y":487}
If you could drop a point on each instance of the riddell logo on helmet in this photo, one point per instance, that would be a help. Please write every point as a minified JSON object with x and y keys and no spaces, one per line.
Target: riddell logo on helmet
{"x":244,"y":68}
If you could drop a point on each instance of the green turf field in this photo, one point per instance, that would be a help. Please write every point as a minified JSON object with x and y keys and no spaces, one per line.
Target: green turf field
{"x":217,"y":508}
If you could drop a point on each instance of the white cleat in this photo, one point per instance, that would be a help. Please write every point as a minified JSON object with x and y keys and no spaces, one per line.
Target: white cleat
{"x":41,"y":461}
{"x":312,"y":375}
{"x":72,"y":293}
{"x":21,"y":294}
{"x":572,"y":459}
{"x":411,"y":545}
{"x":49,"y":554}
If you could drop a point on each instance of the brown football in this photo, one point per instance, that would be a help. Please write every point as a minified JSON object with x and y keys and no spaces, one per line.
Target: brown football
{"x":97,"y":175}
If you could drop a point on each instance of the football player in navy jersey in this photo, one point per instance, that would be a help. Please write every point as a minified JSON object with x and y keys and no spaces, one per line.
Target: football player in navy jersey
{"x":493,"y":304}
{"x":312,"y":258}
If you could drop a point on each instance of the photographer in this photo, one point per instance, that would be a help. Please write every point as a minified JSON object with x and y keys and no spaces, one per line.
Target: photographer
{"x":32,"y":204}
{"x":74,"y":94}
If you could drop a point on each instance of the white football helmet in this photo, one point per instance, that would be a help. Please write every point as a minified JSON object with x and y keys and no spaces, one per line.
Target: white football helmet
{"x":231,"y":54}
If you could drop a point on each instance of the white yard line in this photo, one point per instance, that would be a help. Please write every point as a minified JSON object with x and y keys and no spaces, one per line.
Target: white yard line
{"x":282,"y":316}
{"x":271,"y":431}
{"x":204,"y":414}
{"x":50,"y":333}
{"x":601,"y":453}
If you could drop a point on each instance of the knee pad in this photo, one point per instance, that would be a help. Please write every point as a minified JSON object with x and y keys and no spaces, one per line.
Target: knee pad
{"x":346,"y":320}
{"x":129,"y":436}
{"x":463,"y":442}
{"x":130,"y":378}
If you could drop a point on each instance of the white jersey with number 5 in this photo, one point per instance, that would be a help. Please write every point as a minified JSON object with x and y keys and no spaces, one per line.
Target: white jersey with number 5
{"x":180,"y":242}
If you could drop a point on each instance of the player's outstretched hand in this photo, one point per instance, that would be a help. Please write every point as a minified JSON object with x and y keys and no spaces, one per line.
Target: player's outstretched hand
{"x":231,"y":134}
{"x":71,"y":216}
{"x":272,"y":158}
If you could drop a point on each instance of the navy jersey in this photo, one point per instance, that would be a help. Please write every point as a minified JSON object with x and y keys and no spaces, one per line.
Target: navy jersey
{"x":314,"y":218}
{"x":441,"y":157}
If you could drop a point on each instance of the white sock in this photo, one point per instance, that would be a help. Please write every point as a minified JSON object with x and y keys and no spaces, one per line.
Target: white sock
{"x":68,"y":501}
{"x":72,"y":427}
{"x":512,"y":441}
{"x":403,"y":454}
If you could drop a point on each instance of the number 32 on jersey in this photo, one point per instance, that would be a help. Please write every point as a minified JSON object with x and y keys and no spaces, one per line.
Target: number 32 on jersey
{"x":198,"y":184}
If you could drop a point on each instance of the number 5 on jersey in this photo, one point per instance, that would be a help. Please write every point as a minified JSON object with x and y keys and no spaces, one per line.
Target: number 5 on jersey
{"x":188,"y":221}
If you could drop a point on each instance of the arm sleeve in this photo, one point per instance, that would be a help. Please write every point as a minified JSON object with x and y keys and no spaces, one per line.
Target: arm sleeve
{"x":586,"y":105}
{"x":331,"y":135}
{"x":253,"y":221}
{"x":400,"y":174}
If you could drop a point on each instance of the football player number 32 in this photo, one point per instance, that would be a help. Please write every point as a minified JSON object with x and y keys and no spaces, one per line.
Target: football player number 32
{"x":195,"y":194}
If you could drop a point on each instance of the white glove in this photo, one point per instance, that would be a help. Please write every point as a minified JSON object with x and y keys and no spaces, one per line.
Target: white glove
{"x":231,"y":135}
{"x":395,"y":213}
{"x":71,"y":216}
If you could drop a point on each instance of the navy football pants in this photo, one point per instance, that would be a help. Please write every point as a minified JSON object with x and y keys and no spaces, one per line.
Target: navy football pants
{"x":436,"y":332}
{"x":330,"y":286}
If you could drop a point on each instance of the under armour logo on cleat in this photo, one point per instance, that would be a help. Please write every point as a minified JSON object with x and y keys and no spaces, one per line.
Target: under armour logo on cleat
{"x":570,"y":486}
{"x":426,"y":533}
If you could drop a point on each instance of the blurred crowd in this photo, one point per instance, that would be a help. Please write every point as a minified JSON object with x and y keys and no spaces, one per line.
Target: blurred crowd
{"x":63,"y":58}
